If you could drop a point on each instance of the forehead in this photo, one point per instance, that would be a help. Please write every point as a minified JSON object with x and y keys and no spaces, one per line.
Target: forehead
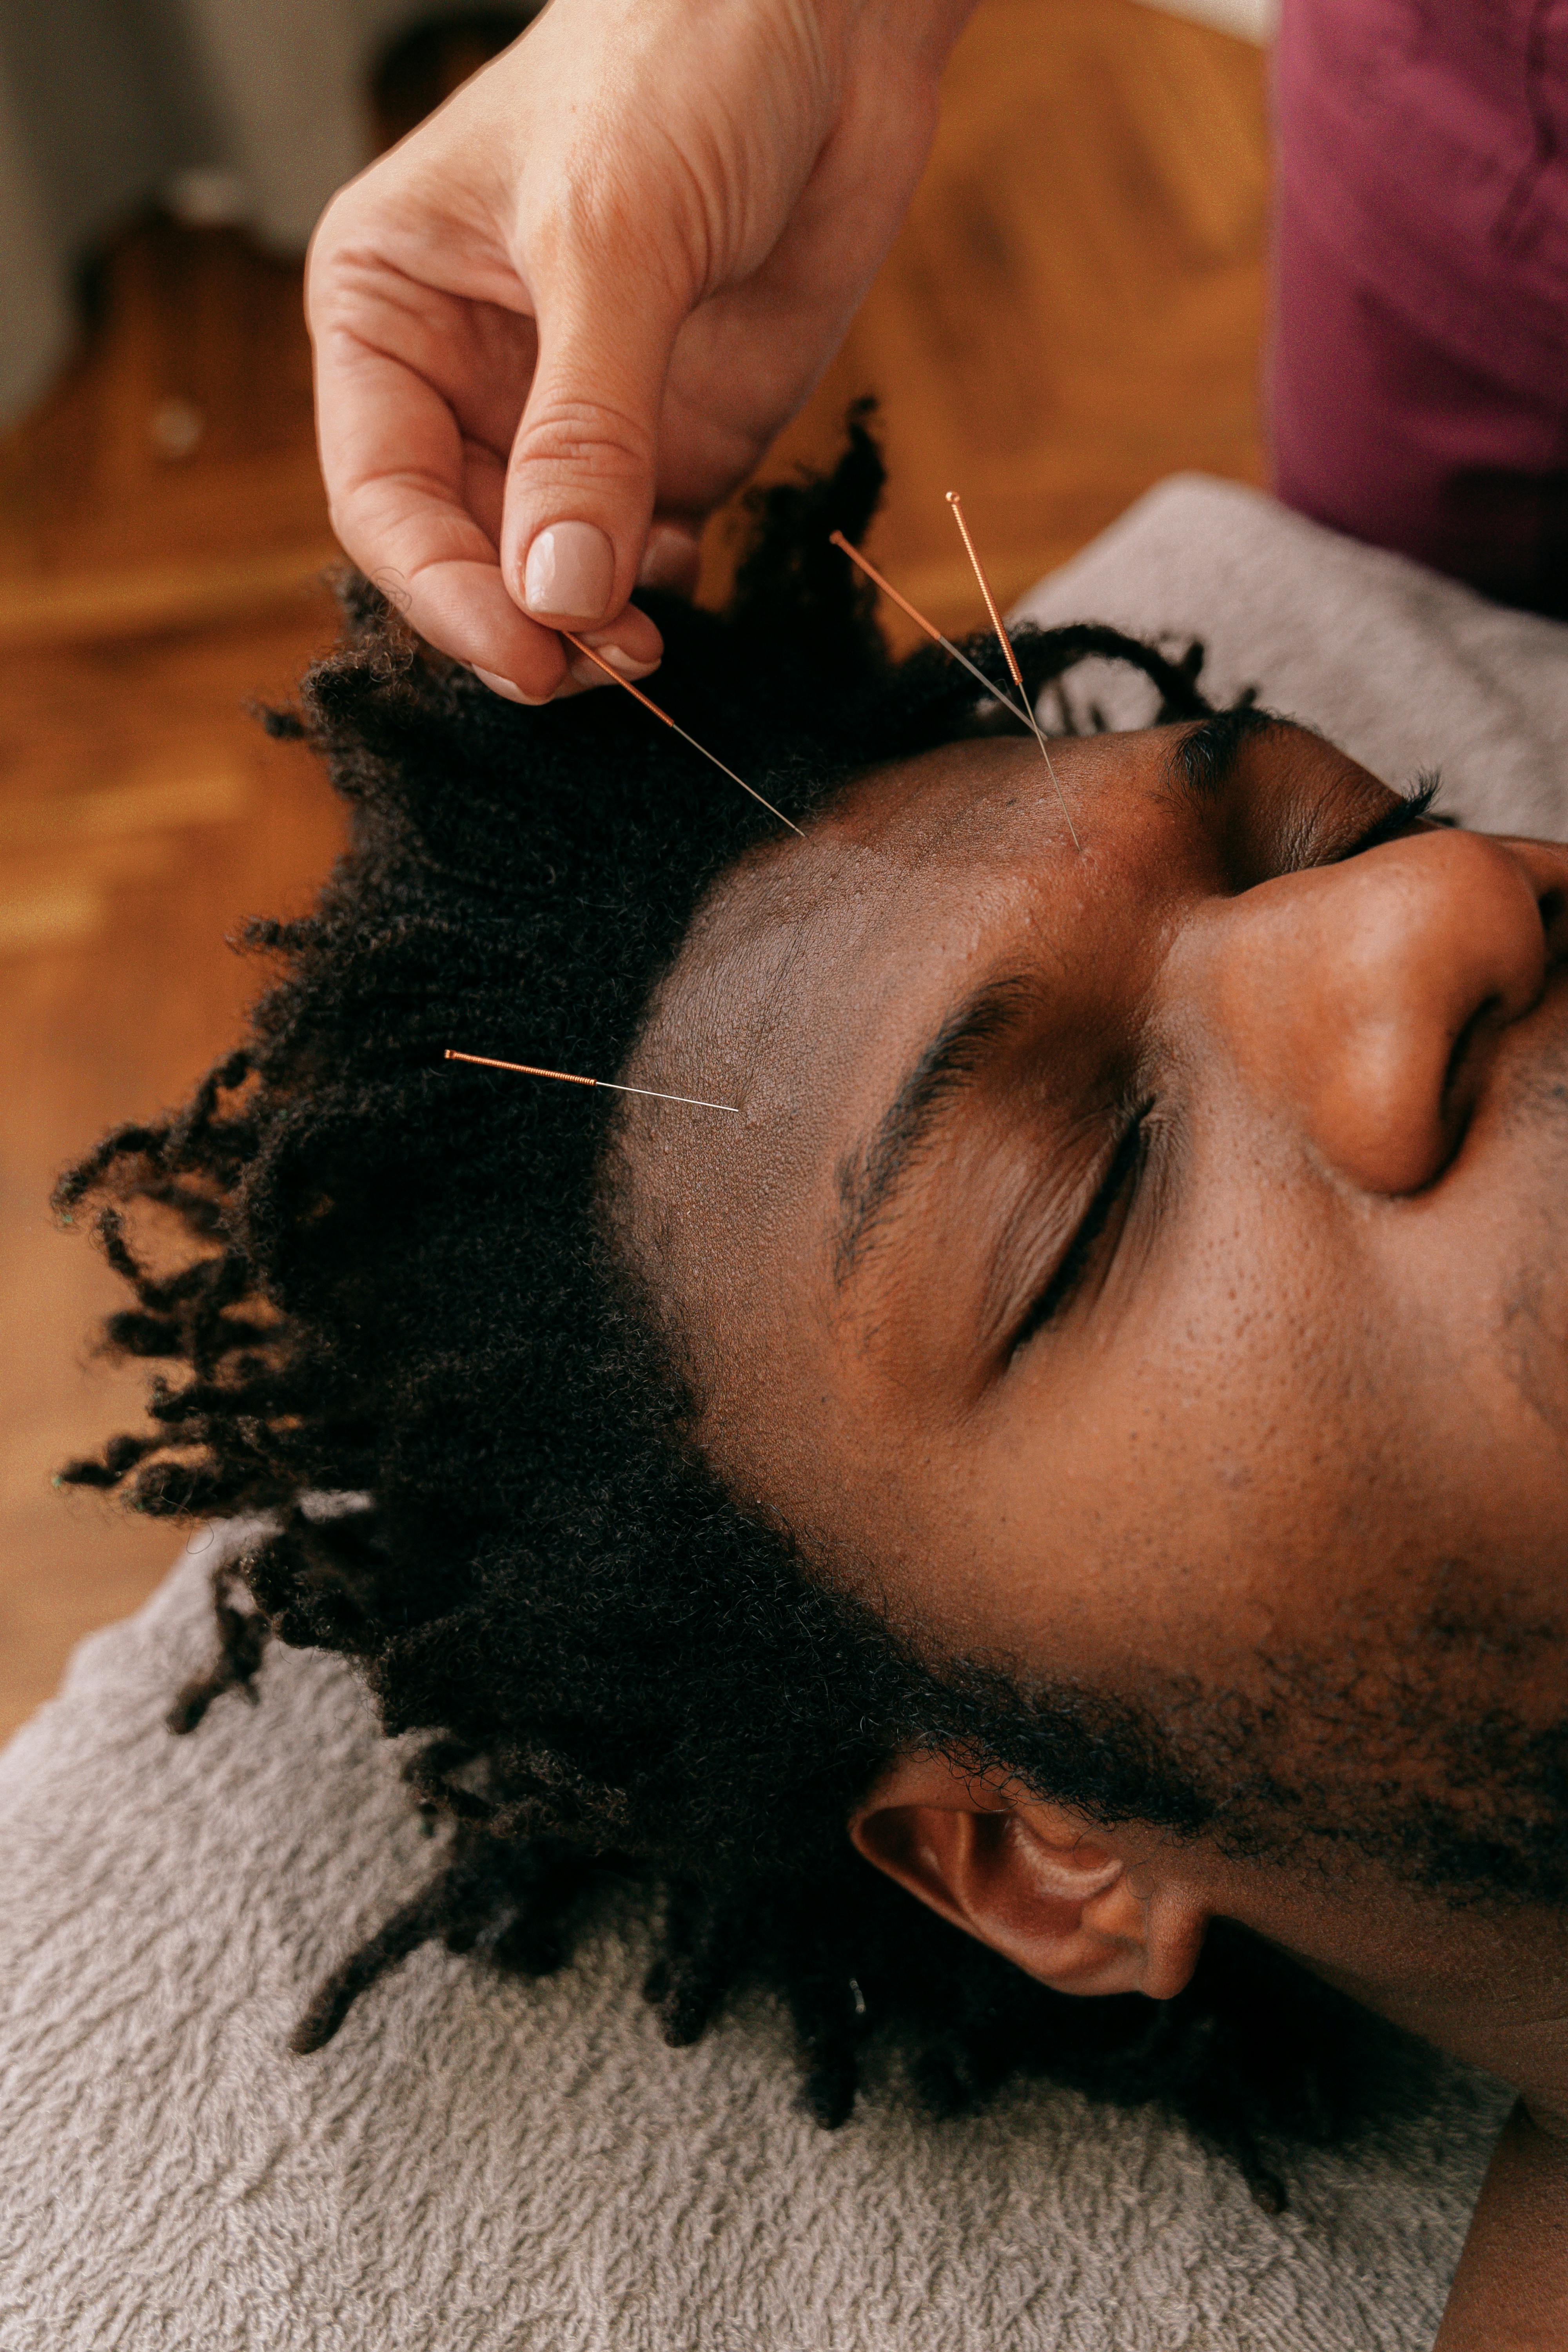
{"x":797,"y":955}
{"x":811,"y":969}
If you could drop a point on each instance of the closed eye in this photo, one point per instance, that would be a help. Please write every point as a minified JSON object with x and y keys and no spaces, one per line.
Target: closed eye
{"x":1403,"y":817}
{"x":1117,"y":1187}
{"x":1112,"y":1196}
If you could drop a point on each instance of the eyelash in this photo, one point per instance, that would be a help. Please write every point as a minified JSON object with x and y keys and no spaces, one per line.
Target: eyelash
{"x":1407,"y":811}
{"x":1120,"y":1179}
{"x":1127,"y":1161}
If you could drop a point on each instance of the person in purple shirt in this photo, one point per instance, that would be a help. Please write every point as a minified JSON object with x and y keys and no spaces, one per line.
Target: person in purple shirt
{"x":560,"y":322}
{"x":1418,"y":382}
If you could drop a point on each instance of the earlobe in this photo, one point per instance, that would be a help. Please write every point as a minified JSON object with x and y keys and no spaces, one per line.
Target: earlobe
{"x":1033,"y":1882}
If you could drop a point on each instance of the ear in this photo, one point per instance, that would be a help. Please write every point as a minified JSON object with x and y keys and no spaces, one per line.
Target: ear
{"x":1083,"y":1909}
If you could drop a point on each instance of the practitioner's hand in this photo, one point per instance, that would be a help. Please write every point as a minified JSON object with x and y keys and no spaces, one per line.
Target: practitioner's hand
{"x":586,"y":293}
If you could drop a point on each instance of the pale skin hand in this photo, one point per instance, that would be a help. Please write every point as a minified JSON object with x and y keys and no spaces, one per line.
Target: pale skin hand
{"x":590,"y":291}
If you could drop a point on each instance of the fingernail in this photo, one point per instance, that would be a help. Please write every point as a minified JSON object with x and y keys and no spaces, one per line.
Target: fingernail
{"x":614,"y":657}
{"x":503,"y":686}
{"x":570,"y":572}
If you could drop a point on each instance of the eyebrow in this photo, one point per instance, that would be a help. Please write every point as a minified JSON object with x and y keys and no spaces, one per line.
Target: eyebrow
{"x":1202,"y":761}
{"x":1204,"y":758}
{"x":952,"y":1065}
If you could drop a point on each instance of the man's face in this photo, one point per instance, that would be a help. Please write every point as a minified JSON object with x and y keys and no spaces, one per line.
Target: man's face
{"x":1139,"y":1267}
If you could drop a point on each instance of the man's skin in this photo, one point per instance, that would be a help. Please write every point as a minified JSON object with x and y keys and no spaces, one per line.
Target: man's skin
{"x":1297,"y":1423}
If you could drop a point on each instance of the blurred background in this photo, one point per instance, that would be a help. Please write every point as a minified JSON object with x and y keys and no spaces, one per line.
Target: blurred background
{"x":1074,"y":309}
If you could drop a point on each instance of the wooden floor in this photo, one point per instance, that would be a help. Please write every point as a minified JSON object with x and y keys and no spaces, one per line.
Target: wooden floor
{"x":1074,"y":311}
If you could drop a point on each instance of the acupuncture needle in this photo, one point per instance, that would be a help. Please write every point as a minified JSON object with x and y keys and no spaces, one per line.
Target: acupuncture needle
{"x":837,"y":539}
{"x":1002,"y":639}
{"x":615,"y":676}
{"x":569,"y":1078}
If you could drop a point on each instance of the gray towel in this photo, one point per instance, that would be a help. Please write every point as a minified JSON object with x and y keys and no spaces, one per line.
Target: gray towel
{"x":479,"y":2164}
{"x":1406,"y":671}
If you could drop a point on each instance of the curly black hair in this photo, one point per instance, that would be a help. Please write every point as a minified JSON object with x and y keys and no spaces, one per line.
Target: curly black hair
{"x":409,"y":1351}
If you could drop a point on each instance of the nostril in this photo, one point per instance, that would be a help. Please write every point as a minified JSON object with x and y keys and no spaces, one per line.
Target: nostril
{"x":1459,"y":1079}
{"x":1551,"y":906}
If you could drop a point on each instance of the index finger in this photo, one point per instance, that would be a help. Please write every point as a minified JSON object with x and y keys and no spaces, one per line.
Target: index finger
{"x":401,"y":477}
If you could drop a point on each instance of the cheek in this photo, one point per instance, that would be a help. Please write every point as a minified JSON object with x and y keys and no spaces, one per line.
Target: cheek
{"x":1302,"y":1433}
{"x":1290,"y":1439}
{"x":1155,"y":1514}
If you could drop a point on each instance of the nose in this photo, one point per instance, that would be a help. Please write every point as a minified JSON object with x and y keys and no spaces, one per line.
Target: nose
{"x":1363,"y":1001}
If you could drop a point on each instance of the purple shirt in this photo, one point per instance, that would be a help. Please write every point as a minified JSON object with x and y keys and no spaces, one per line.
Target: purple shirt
{"x":1419,"y":371}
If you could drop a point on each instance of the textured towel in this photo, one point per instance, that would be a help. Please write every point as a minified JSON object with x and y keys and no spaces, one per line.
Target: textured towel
{"x":479,"y":2164}
{"x":1402,"y":670}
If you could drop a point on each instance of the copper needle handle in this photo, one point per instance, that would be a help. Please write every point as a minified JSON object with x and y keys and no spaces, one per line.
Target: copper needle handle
{"x":1004,"y":641}
{"x":571,"y":1078}
{"x":837,"y":539}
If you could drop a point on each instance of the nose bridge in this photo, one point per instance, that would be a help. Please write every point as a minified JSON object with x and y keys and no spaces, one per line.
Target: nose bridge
{"x":1340,"y":995}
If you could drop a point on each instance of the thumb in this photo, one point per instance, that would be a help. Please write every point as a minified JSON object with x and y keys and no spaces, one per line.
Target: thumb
{"x":580,"y":478}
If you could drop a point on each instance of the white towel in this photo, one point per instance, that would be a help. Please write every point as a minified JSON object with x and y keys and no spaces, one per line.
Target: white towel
{"x":495,"y":2166}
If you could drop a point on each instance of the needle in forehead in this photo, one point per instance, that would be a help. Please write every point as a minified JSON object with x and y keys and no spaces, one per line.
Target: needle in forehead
{"x":570,"y":1078}
{"x":956,"y":503}
{"x":837,"y":539}
{"x":648,"y":705}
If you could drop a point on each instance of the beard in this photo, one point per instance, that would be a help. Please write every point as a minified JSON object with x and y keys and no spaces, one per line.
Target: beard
{"x":1420,"y":1760}
{"x":1409,"y":1752}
